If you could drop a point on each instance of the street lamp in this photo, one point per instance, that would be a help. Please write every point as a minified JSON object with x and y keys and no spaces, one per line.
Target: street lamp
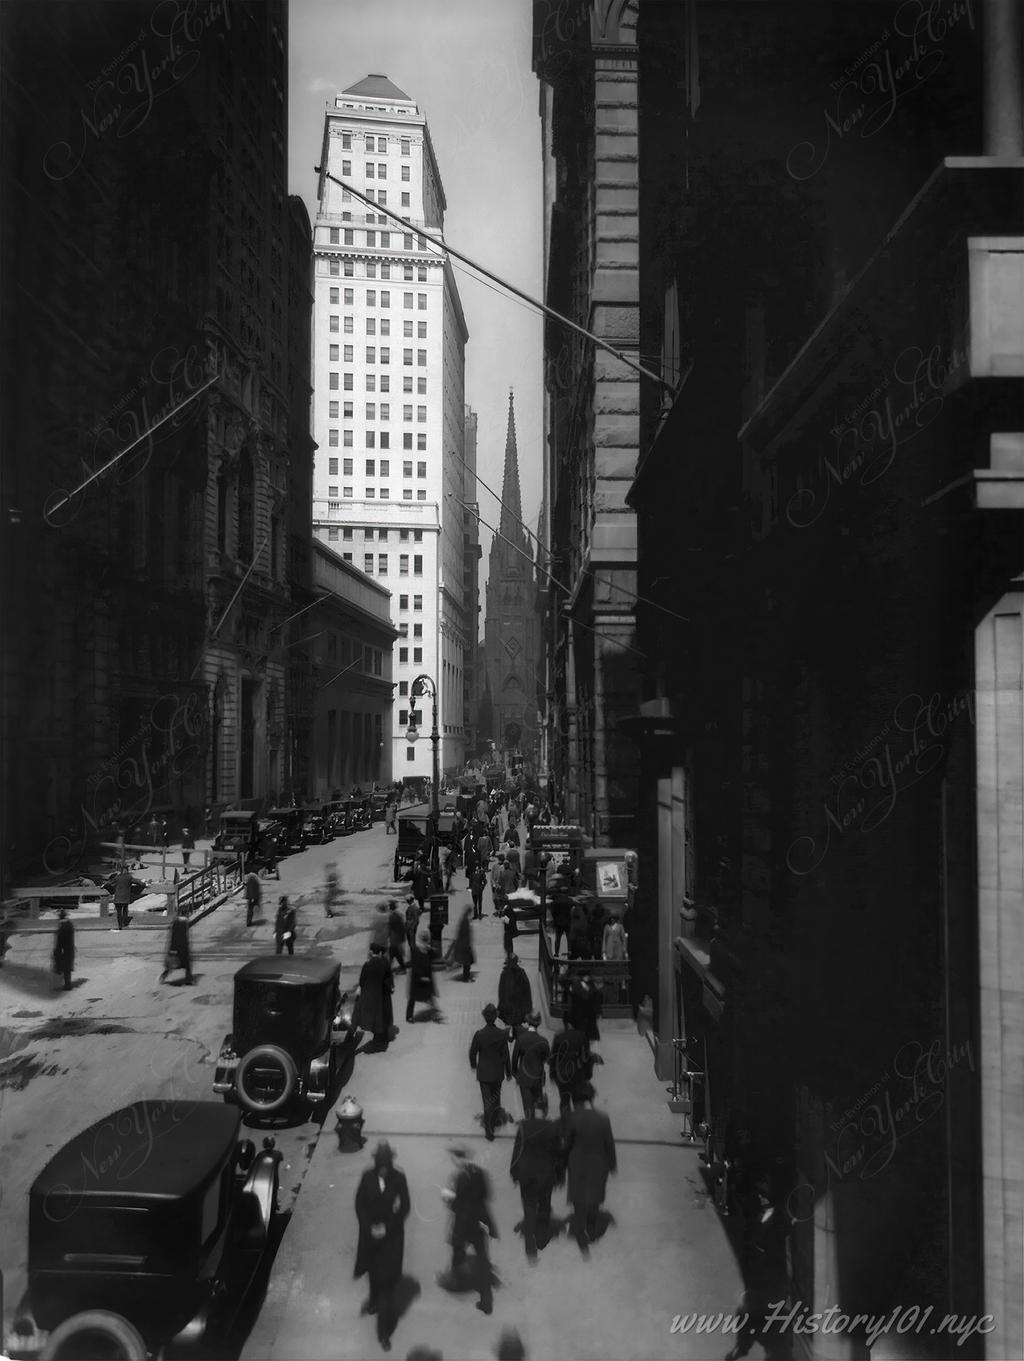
{"x":424,"y":685}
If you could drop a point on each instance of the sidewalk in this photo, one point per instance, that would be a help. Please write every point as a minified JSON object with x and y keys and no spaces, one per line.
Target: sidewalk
{"x":665,"y":1254}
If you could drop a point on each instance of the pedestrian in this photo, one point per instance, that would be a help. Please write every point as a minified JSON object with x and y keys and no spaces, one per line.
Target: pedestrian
{"x":468,"y":1197}
{"x":284,"y":926}
{"x":537,"y":1155}
{"x":561,"y":911}
{"x":64,"y":948}
{"x":590,"y":1159}
{"x":597,"y":918}
{"x":497,"y":900}
{"x":488,"y":1057}
{"x":179,"y":949}
{"x":207,"y":820}
{"x":154,"y":830}
{"x":508,"y":914}
{"x":164,"y":834}
{"x":253,"y":896}
{"x":579,"y":931}
{"x":380,"y":937}
{"x":412,"y":920}
{"x":373,"y":1011}
{"x":420,"y":882}
{"x":477,"y":884}
{"x":188,"y":845}
{"x":571,"y":1064}
{"x":396,"y":935}
{"x":391,"y":818}
{"x":332,"y":889}
{"x":585,"y":1004}
{"x":461,"y":951}
{"x":382,"y":1207}
{"x":515,"y":997}
{"x":614,"y":943}
{"x":422,"y":987}
{"x":449,"y":867}
{"x":122,"y":895}
{"x":530,"y":1054}
{"x":484,"y":848}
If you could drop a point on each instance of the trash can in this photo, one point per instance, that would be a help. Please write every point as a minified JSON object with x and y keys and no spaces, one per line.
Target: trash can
{"x":438,"y":919}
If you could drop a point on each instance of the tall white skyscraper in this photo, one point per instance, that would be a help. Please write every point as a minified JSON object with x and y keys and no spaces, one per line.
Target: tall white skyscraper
{"x":389,"y":341}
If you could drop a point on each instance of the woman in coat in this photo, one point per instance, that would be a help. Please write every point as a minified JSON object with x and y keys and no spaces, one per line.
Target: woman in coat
{"x":373,"y":1011}
{"x":422,"y":987}
{"x":614,"y":944}
{"x":64,"y":949}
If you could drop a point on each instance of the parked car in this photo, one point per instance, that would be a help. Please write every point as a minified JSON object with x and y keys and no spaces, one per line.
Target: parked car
{"x":288,"y":828}
{"x":239,"y":831}
{"x":291,"y":1025}
{"x":378,"y":806}
{"x":315,"y":825}
{"x":146,"y":1235}
{"x":339,"y":820}
{"x":359,"y":813}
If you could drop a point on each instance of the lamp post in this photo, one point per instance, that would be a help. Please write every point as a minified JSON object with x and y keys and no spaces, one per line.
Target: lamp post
{"x":424,"y":685}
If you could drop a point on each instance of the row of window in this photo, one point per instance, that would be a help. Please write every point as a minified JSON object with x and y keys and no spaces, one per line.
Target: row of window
{"x":371,"y":463}
{"x":382,"y":562}
{"x":417,"y":630}
{"x":334,"y":322}
{"x":345,"y":410}
{"x":371,"y":355}
{"x":368,"y":268}
{"x":348,"y":323}
{"x":381,"y":147}
{"x":375,"y":170}
{"x":371,"y":494}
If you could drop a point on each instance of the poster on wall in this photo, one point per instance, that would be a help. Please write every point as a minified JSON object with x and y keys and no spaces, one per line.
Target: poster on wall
{"x":612,"y":880}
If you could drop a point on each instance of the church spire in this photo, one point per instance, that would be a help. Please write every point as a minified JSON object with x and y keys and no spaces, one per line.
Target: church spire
{"x":511,"y":503}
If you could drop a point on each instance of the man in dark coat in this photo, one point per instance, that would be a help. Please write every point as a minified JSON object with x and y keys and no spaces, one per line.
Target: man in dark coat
{"x":515,"y":997}
{"x":571,"y":1063}
{"x":420,"y":883}
{"x":284,"y":927}
{"x":188,"y":845}
{"x":412,"y":920}
{"x":253,"y":896}
{"x":561,"y":911}
{"x":382,"y":1207}
{"x":373,"y":1010}
{"x":477,"y":884}
{"x":591,"y":1159}
{"x":461,"y":951}
{"x":422,"y":987}
{"x":579,"y":931}
{"x":64,"y":948}
{"x":535,"y":1163}
{"x":508,"y":916}
{"x":585,"y":1003}
{"x":122,"y":896}
{"x":469,"y":1196}
{"x":179,"y":950}
{"x":488,"y":1056}
{"x":529,"y":1057}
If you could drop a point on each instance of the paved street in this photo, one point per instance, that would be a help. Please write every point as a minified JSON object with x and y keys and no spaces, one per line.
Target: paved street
{"x":70,"y":1058}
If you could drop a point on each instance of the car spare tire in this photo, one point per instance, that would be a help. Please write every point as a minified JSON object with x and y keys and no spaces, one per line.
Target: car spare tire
{"x":95,"y":1335}
{"x":266,"y":1079}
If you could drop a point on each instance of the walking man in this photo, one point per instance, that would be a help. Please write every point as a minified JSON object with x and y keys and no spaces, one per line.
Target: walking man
{"x":461,"y":949}
{"x":382,"y":1207}
{"x":468,"y":1196}
{"x":571,"y":1064}
{"x":488,"y":1057}
{"x":515,"y":997}
{"x":477,"y":884}
{"x":188,"y":845}
{"x":535,"y":1162}
{"x":253,"y":896}
{"x":284,"y":926}
{"x":420,"y":883}
{"x":529,"y":1057}
{"x":179,"y":950}
{"x":122,"y":896}
{"x":591,"y":1158}
{"x":64,"y":948}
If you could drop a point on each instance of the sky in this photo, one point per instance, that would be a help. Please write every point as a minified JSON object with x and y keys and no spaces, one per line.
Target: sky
{"x":466,"y":63}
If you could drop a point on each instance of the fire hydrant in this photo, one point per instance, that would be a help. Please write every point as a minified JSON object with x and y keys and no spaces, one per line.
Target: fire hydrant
{"x":348,"y":1122}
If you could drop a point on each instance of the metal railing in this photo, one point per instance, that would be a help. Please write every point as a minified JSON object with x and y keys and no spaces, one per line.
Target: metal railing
{"x":611,"y":975}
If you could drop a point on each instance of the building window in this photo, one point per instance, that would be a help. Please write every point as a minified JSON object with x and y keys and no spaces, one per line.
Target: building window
{"x":333,"y":354}
{"x":421,"y":387}
{"x":335,"y":296}
{"x":385,"y":269}
{"x":348,"y":326}
{"x":368,"y":564}
{"x":421,"y":359}
{"x":347,"y":557}
{"x":407,"y":356}
{"x":334,"y":267}
{"x":385,"y":382}
{"x":421,"y":441}
{"x":382,"y":196}
{"x":421,"y":275}
{"x":417,"y":654}
{"x":403,"y":654}
{"x":346,"y":534}
{"x":332,"y":441}
{"x":334,"y":325}
{"x":403,"y":564}
{"x":346,"y":141}
{"x":382,"y":564}
{"x":405,"y":173}
{"x":332,"y":491}
{"x":407,"y":442}
{"x":333,"y":410}
{"x":332,"y":380}
{"x":405,"y":144}
{"x":346,"y":491}
{"x":405,"y":201}
{"x":407,"y":241}
{"x":385,"y":354}
{"x":385,"y":471}
{"x":371,"y":266}
{"x":421,"y":301}
{"x":349,"y":354}
{"x":350,"y":269}
{"x":410,"y":753}
{"x":385,"y":415}
{"x":421,"y":494}
{"x":407,"y":494}
{"x":346,"y":167}
{"x":382,"y":170}
{"x":371,"y":240}
{"x":421,"y":330}
{"x":406,"y":413}
{"x":335,"y":237}
{"x":403,"y":602}
{"x":407,"y":275}
{"x":421,"y":469}
{"x":417,"y":565}
{"x":421,"y":413}
{"x":349,"y":236}
{"x":369,"y":170}
{"x":385,"y":298}
{"x":346,"y":437}
{"x":332,"y":534}
{"x":406,"y":299}
{"x":371,"y":495}
{"x":417,"y":630}
{"x":370,"y":144}
{"x":385,"y":324}
{"x":371,"y":411}
{"x":347,"y":411}
{"x":403,"y":718}
{"x":371,"y":382}
{"x":371,"y":297}
{"x":348,"y":382}
{"x":346,"y":468}
{"x":407,"y":468}
{"x":371,"y":354}
{"x":371,"y":467}
{"x":350,"y":296}
{"x":371,"y":326}
{"x":417,"y":536}
{"x":407,"y":383}
{"x":417,"y":602}
{"x":403,"y":535}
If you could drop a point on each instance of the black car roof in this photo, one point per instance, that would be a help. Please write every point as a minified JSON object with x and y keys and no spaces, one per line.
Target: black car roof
{"x":282,"y":812}
{"x":153,"y":1148}
{"x":239,"y":813}
{"x":290,"y":969}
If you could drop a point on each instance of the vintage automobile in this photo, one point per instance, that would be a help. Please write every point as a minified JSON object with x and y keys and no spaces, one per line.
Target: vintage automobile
{"x":292,"y":1025}
{"x":360,"y":814}
{"x":379,"y":806}
{"x":338,"y":818}
{"x":146,"y":1235}
{"x":288,"y":828}
{"x":238,"y":832}
{"x":315,"y":825}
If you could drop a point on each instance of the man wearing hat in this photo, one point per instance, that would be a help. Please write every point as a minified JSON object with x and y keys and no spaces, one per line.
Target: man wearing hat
{"x":529,"y":1057}
{"x":468,"y":1197}
{"x":591,"y":1159}
{"x":515,"y":997}
{"x":488,"y":1056}
{"x":382,"y":1207}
